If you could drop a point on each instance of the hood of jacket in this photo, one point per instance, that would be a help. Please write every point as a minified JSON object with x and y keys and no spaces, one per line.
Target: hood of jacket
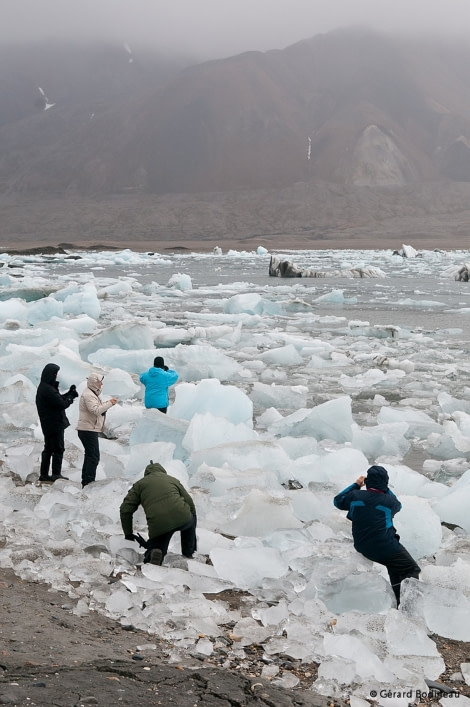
{"x":93,"y":381}
{"x":377,"y":478}
{"x":155,"y":371}
{"x":154,"y":469}
{"x":49,"y":373}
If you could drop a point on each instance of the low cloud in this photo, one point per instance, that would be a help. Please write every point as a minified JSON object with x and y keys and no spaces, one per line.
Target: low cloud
{"x":215,"y":28}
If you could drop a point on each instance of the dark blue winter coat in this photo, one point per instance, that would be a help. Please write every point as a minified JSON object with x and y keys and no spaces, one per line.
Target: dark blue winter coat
{"x":371,"y":512}
{"x":157,"y":382}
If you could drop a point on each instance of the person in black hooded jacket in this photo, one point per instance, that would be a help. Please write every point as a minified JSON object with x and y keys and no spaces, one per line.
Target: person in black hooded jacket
{"x":371,"y":512}
{"x":51,"y":406}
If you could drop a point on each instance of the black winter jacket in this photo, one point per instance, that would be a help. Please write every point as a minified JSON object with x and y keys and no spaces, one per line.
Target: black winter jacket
{"x":51,"y":404}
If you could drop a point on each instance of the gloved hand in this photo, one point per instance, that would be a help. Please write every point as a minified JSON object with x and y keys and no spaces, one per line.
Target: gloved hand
{"x":165,"y":368}
{"x":72,"y":392}
{"x":130,"y":537}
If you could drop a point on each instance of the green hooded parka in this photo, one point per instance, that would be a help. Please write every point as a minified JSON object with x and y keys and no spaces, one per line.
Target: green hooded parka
{"x":166,"y":503}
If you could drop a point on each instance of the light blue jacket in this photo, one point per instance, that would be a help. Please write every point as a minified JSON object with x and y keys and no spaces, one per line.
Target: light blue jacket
{"x":156,"y":382}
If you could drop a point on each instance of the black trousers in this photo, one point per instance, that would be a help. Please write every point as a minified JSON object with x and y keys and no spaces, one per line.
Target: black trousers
{"x":92,"y":455}
{"x":54,"y":448}
{"x":188,"y":540}
{"x":399,"y":566}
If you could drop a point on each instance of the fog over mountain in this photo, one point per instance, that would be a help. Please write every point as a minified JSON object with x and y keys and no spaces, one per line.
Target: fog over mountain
{"x":215,"y":29}
{"x":349,"y":134}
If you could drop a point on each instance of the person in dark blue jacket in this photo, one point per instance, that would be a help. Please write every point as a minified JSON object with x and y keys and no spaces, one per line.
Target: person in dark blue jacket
{"x":371,"y":512}
{"x":157,"y":380}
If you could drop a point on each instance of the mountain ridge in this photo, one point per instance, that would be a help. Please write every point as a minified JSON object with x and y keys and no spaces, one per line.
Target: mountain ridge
{"x":356,"y":110}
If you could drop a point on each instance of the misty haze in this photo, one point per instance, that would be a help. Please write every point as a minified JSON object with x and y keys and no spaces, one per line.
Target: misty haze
{"x":244,"y":123}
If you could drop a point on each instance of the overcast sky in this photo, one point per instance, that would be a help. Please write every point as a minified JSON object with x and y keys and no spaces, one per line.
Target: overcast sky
{"x":217,"y":28}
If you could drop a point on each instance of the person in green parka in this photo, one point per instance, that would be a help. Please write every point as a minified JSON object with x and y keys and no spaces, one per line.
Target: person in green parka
{"x":168,"y":507}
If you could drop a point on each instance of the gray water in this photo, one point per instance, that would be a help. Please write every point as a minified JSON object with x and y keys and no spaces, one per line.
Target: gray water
{"x":413,"y":295}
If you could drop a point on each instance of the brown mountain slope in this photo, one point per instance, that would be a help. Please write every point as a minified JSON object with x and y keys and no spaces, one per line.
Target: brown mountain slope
{"x":350,"y":107}
{"x":349,"y":135}
{"x":266,"y":120}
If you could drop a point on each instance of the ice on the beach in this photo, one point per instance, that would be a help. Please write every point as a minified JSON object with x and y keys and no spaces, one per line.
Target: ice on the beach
{"x":288,"y":391}
{"x":385,"y":440}
{"x":454,"y":574}
{"x":207,"y":430}
{"x":453,"y":508}
{"x":154,"y":426}
{"x":248,"y":563}
{"x":209,"y":396}
{"x":358,"y":660}
{"x":415,"y":515}
{"x":407,"y":640}
{"x":279,"y":396}
{"x":330,"y":420}
{"x":260,"y":513}
{"x":20,"y":460}
{"x":446,"y":613}
{"x":125,"y":336}
{"x":357,"y":592}
{"x":85,"y":301}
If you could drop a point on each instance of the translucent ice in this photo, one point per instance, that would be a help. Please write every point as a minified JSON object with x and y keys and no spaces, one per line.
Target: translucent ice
{"x":416,"y":514}
{"x":445,"y":613}
{"x":248,"y":566}
{"x":83,"y":302}
{"x":180,"y":281}
{"x":209,"y":396}
{"x":453,"y":508}
{"x":330,"y":420}
{"x":154,"y":426}
{"x":208,"y":430}
{"x":357,"y":592}
{"x":261,"y":513}
{"x":363,"y":663}
{"x":404,"y":638}
{"x":128,"y":335}
{"x":280,"y":396}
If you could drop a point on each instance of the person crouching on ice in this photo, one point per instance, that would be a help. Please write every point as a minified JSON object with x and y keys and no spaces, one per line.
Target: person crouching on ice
{"x":168,"y":508}
{"x":371,"y":512}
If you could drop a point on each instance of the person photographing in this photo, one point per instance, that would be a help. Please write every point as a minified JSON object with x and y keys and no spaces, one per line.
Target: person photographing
{"x":371,"y":511}
{"x":91,"y":420}
{"x":51,"y":405}
{"x":157,"y":380}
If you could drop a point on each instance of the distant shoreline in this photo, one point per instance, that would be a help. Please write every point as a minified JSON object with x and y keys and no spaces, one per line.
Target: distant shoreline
{"x":188,"y":246}
{"x":305,"y":217}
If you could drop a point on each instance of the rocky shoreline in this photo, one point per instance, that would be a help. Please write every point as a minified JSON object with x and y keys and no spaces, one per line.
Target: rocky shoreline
{"x":51,"y":656}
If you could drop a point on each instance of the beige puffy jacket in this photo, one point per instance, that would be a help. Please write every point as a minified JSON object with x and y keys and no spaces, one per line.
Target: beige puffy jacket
{"x":91,"y":407}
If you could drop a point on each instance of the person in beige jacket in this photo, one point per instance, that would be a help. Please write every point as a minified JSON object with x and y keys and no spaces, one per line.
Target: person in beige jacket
{"x":91,"y":419}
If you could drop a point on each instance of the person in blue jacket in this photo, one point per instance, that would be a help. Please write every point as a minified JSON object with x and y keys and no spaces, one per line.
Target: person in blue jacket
{"x":157,"y":380}
{"x":371,"y":512}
